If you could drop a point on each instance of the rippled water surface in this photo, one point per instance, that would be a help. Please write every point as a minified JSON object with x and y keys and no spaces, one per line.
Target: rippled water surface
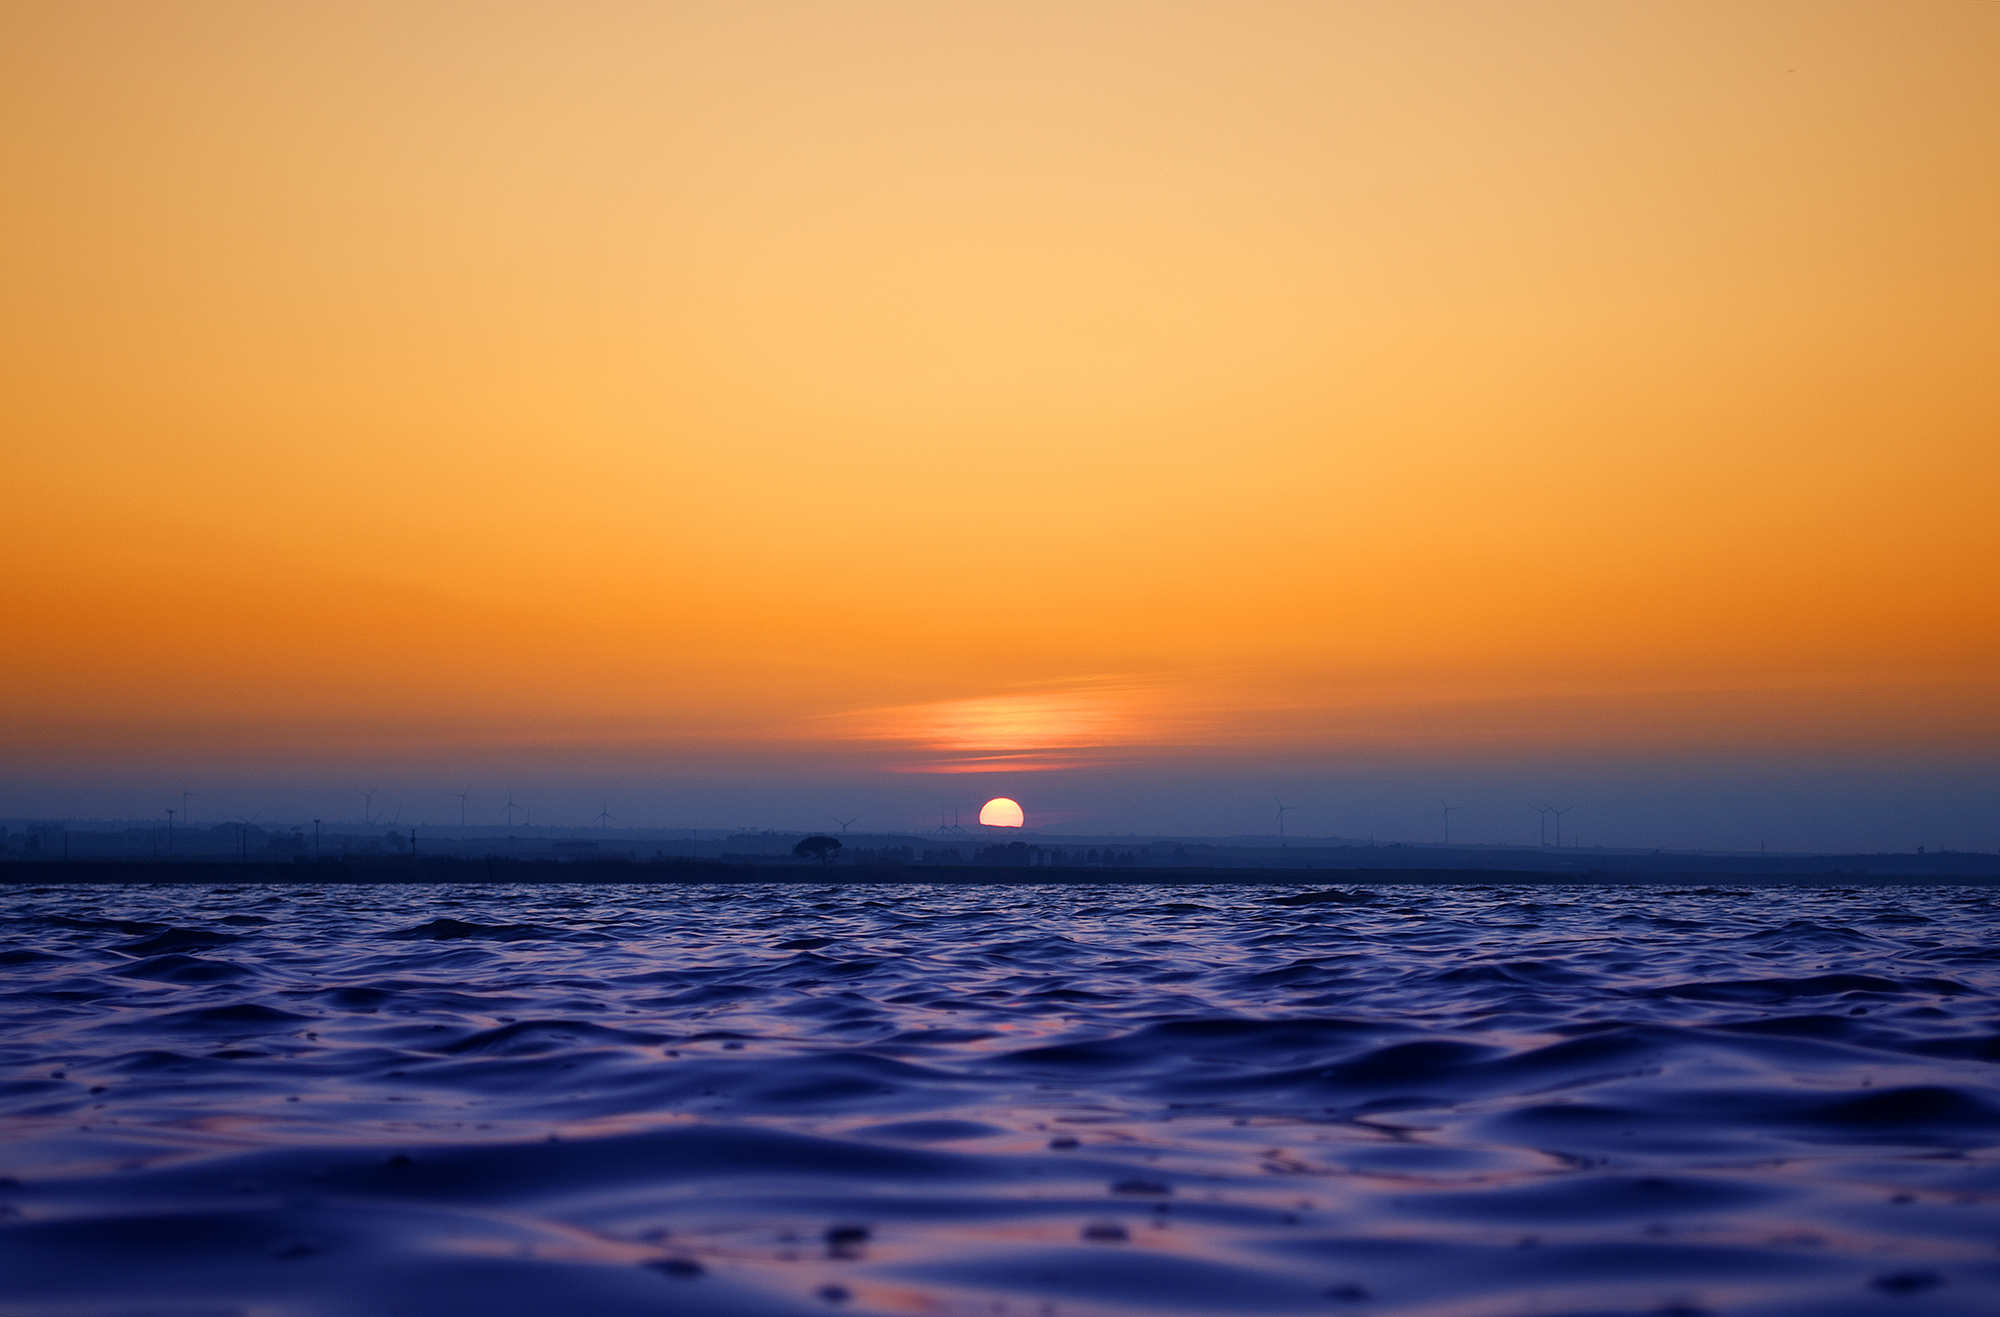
{"x":998,"y":1100}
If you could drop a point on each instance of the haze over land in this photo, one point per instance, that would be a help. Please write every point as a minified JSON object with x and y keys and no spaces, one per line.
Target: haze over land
{"x":741,"y":414}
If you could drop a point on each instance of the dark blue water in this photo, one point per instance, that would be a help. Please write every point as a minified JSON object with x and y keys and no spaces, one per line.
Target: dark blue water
{"x":998,"y":1100}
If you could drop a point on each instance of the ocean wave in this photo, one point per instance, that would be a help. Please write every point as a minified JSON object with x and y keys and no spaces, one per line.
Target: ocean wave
{"x":1031,"y":1101}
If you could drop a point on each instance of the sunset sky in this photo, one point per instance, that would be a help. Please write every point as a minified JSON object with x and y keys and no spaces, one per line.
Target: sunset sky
{"x":746,"y":411}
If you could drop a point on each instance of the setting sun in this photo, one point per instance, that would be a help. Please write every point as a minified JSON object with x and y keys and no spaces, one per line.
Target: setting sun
{"x":1001,"y":812}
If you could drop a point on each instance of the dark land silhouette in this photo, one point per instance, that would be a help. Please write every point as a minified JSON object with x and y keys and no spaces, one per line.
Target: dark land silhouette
{"x":1816,"y":871}
{"x":55,"y":852}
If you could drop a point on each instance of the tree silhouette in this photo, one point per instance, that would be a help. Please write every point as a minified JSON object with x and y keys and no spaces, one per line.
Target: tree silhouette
{"x":822,"y":849}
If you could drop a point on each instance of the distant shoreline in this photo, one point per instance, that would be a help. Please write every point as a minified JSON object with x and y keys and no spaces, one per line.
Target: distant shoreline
{"x":37,"y":873}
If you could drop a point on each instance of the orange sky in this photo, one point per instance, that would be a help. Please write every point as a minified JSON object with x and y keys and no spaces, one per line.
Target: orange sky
{"x":922,"y":382}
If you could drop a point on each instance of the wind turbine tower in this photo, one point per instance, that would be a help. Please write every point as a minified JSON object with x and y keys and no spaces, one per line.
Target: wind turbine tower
{"x":367,"y":807}
{"x":462,"y":797}
{"x":1449,"y":810}
{"x":1559,"y":822}
{"x":1283,"y":809}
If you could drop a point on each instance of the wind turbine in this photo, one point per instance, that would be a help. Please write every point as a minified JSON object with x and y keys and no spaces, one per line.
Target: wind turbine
{"x":1559,"y":822}
{"x":844,"y":823}
{"x":461,"y":805}
{"x":1283,"y":809}
{"x":1542,"y":836}
{"x":511,"y":807}
{"x":367,"y":807}
{"x":186,"y":817}
{"x":604,"y":819}
{"x":1449,"y":810}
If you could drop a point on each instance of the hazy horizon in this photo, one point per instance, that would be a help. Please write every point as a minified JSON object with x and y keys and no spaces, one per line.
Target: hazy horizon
{"x":1638,"y":806}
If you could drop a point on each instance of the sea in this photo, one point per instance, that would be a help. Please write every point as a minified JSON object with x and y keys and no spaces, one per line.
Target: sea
{"x":999,"y":1101}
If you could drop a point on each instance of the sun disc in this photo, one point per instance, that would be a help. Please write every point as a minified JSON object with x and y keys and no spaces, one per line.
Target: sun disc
{"x":1001,"y":812}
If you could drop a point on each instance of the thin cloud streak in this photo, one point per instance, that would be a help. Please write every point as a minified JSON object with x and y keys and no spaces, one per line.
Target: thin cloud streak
{"x":1098,"y":721}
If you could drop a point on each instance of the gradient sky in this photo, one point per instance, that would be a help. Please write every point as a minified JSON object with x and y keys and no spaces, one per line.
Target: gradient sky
{"x":747,"y":410}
